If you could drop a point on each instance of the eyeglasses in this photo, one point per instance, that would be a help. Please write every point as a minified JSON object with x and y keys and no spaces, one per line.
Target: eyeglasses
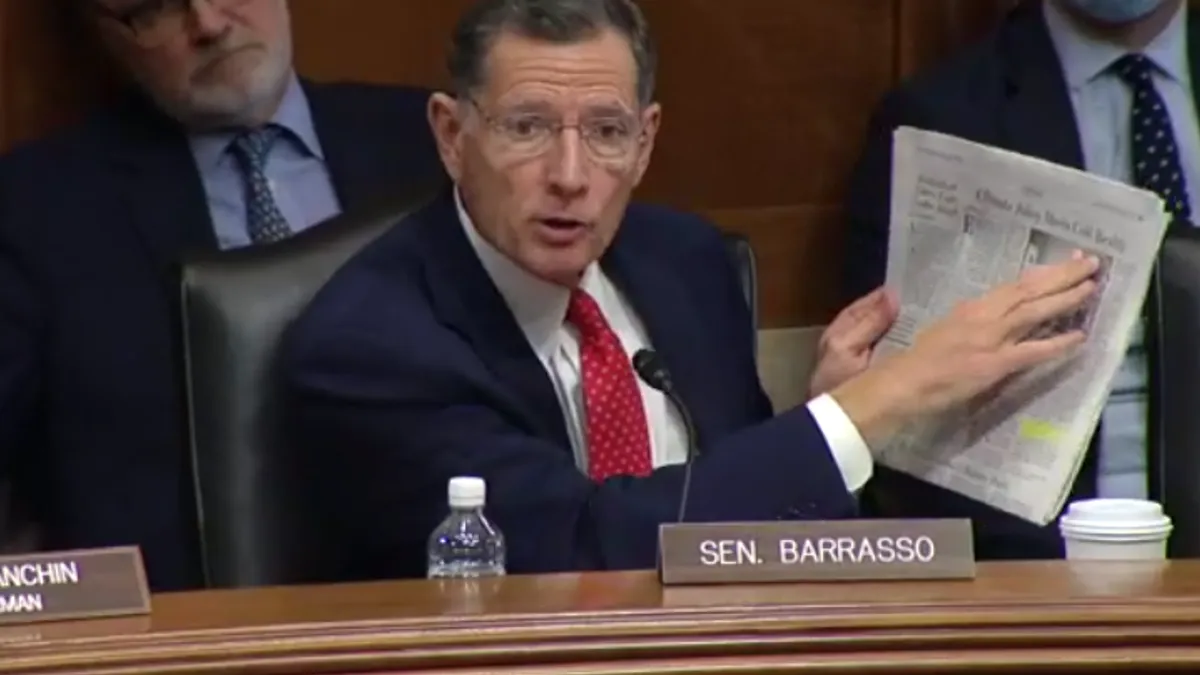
{"x":608,"y":136}
{"x":153,"y":22}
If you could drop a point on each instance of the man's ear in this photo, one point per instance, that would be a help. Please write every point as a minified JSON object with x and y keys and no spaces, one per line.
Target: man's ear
{"x":651,"y":119}
{"x":447,"y":129}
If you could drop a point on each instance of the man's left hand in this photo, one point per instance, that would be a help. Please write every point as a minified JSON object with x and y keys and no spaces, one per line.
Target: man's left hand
{"x":845,"y":347}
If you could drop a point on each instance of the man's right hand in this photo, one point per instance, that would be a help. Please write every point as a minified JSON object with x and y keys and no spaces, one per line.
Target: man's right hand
{"x":979,"y":344}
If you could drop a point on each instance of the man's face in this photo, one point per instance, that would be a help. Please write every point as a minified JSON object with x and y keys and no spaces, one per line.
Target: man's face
{"x":207,"y":63}
{"x":548,"y":150}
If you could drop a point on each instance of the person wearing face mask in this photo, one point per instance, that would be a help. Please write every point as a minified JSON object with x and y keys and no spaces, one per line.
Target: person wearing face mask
{"x":1100,"y":85}
{"x":217,"y":143}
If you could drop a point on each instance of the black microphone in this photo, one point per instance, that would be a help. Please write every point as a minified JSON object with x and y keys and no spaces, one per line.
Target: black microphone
{"x":654,"y":372}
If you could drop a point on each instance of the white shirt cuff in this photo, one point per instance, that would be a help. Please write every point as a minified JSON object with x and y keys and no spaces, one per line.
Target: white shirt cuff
{"x":849,"y":450}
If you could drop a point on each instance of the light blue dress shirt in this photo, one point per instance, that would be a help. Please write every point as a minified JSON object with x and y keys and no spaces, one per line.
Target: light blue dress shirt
{"x":296,"y":170}
{"x":1103,"y":105}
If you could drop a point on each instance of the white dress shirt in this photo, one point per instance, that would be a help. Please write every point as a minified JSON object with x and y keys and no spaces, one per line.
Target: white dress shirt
{"x":1103,"y":104}
{"x":540,"y":309}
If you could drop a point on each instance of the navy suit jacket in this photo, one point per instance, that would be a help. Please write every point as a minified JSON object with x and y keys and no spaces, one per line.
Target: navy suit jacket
{"x":93,"y":221}
{"x":409,"y":368}
{"x":1007,"y":91}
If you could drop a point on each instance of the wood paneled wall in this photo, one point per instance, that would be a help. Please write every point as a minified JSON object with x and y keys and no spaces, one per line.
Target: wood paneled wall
{"x":765,"y":101}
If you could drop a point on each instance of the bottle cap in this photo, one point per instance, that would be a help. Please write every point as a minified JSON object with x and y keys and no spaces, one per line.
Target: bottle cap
{"x":467,"y":492}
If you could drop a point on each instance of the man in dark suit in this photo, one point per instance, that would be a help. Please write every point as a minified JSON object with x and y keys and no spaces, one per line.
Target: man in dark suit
{"x":1058,"y":80}
{"x":491,"y":333}
{"x":221,"y":145}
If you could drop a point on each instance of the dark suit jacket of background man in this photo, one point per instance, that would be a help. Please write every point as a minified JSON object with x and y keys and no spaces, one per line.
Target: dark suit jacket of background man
{"x":1007,"y":91}
{"x":92,"y":223}
{"x":409,"y":368}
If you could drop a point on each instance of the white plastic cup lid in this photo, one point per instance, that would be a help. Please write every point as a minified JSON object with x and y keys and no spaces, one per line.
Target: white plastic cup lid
{"x":1115,"y":520}
{"x":467,"y":492}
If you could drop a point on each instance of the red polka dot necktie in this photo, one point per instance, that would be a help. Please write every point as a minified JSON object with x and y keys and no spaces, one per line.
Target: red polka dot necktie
{"x":618,"y":438}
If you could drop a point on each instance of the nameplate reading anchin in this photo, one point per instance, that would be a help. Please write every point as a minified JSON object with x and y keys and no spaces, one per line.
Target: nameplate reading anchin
{"x":72,"y":585}
{"x":830,"y":550}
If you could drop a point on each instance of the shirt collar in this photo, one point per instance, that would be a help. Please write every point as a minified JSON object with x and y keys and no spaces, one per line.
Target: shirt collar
{"x":294,"y":115}
{"x":1084,"y":57}
{"x":540,"y":307}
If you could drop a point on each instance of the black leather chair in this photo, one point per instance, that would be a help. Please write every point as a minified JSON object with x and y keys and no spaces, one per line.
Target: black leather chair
{"x":255,"y":524}
{"x":747,"y":267}
{"x":254,"y":527}
{"x":1173,"y":355}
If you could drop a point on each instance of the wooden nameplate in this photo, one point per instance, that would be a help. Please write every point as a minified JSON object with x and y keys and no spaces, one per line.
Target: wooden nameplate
{"x":83,"y":584}
{"x":828,"y":550}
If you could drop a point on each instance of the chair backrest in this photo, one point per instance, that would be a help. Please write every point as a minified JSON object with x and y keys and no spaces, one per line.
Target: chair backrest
{"x":235,"y":307}
{"x":255,"y":526}
{"x":747,"y":268}
{"x":1173,"y":358}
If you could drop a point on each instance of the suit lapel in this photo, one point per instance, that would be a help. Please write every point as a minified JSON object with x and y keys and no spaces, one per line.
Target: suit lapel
{"x":161,"y":186}
{"x":1037,"y":118}
{"x":359,"y":167}
{"x":660,"y":300}
{"x":466,"y":299}
{"x":354,"y":164}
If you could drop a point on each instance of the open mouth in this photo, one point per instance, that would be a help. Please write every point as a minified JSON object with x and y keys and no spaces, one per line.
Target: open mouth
{"x":562,"y":231}
{"x":562,"y":223}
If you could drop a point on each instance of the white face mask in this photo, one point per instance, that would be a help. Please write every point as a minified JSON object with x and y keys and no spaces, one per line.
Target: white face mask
{"x":1115,"y":11}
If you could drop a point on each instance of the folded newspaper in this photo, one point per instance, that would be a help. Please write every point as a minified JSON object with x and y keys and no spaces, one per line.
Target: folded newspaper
{"x":966,"y":218}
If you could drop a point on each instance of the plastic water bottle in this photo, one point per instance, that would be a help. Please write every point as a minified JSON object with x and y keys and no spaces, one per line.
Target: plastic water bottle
{"x":466,"y":545}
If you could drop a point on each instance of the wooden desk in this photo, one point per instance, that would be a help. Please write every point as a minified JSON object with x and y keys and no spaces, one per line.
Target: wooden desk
{"x":1015,"y":617}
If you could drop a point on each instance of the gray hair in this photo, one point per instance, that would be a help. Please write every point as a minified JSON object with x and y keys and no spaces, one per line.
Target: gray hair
{"x":555,"y":21}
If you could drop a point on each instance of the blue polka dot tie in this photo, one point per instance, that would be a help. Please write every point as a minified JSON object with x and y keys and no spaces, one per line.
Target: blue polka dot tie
{"x":1155,"y":154}
{"x":264,"y":221}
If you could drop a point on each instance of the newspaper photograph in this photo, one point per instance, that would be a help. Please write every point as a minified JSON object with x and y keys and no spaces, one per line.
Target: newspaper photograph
{"x":966,"y":218}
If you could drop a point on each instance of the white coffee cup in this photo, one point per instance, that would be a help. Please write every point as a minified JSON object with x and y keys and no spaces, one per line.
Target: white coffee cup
{"x":1115,"y":529}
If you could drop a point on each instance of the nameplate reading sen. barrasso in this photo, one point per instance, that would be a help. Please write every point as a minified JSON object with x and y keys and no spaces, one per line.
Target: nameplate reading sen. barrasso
{"x":827,"y":550}
{"x":64,"y":585}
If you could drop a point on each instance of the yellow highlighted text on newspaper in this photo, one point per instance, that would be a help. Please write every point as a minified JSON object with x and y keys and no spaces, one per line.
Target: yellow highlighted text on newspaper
{"x":1040,"y":430}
